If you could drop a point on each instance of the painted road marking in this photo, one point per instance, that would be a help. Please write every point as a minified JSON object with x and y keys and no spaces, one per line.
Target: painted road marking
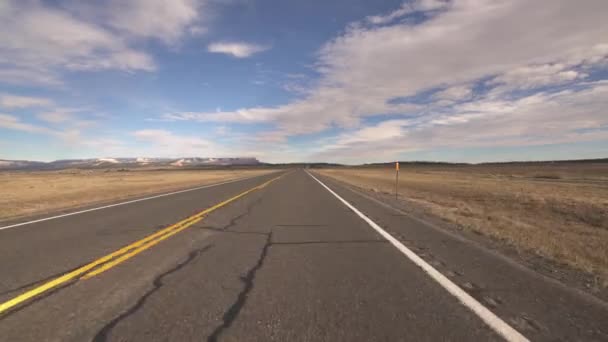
{"x":493,"y":321}
{"x":126,"y":202}
{"x":115,"y":258}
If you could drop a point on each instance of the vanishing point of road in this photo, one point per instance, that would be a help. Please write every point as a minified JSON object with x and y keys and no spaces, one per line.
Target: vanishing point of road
{"x":288,"y":256}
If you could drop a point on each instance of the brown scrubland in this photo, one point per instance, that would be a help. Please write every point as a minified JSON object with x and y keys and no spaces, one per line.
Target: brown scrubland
{"x":24,"y":193}
{"x":559,"y":212}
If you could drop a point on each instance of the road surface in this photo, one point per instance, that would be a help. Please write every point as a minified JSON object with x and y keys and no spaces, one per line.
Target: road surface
{"x":279,"y":257}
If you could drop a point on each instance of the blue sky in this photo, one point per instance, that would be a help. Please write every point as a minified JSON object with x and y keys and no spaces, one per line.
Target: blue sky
{"x":348,"y":81}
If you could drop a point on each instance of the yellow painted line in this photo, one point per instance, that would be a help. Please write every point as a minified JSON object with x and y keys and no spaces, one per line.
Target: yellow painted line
{"x":136,"y":251}
{"x":184,"y":224}
{"x":106,"y":262}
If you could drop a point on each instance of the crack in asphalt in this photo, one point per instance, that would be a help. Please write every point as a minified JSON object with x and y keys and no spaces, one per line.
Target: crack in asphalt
{"x":299,"y":225}
{"x":103,"y":333}
{"x":247,"y":212}
{"x":233,"y":311}
{"x":233,"y":222}
{"x":328,"y":242}
{"x":219,"y":230}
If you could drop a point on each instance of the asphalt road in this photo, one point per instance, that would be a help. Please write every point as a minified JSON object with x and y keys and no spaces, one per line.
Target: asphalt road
{"x":285,"y":261}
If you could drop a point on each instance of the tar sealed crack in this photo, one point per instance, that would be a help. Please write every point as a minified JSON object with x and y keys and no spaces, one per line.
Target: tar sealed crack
{"x":234,"y":310}
{"x":103,"y":333}
{"x":232,"y":313}
{"x":235,"y":219}
{"x":337,"y":242}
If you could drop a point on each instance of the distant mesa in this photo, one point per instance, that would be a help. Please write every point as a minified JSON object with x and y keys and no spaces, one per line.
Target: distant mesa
{"x":215,"y":161}
{"x":124,"y":162}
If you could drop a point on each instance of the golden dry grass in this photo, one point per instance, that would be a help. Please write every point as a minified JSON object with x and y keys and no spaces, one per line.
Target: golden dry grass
{"x":560,"y":213}
{"x":27,"y":193}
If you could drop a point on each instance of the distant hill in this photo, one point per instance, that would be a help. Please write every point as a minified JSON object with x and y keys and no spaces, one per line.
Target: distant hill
{"x":570,"y":161}
{"x":448,"y":164}
{"x":125,"y":163}
{"x":306,"y":165}
{"x":198,"y":162}
{"x":413,"y":163}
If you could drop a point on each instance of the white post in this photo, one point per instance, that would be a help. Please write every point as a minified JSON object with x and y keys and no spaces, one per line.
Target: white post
{"x":396,"y":180}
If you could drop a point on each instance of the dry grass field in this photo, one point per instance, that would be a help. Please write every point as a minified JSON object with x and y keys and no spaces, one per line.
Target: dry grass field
{"x":27,"y":193}
{"x":557,"y":211}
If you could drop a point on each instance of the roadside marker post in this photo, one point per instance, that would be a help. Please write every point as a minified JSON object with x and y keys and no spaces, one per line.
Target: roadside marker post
{"x":396,"y":180}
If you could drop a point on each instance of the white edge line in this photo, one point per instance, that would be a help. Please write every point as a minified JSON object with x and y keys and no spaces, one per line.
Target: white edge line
{"x":127,"y":202}
{"x":493,"y":321}
{"x":474,"y":244}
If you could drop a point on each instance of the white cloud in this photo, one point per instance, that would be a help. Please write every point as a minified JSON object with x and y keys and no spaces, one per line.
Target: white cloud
{"x":455,"y":93}
{"x":50,"y":113}
{"x":166,"y":144}
{"x":58,"y":122}
{"x":535,"y":76}
{"x":222,"y":130}
{"x":17,"y":101}
{"x":460,"y":45}
{"x":39,"y":42}
{"x":68,"y":133}
{"x":386,"y":130}
{"x":236,"y":49}
{"x":167,"y":20}
{"x":409,"y":7}
{"x":56,"y":116}
{"x":539,"y":119}
{"x":35,"y":37}
{"x":14,"y":123}
{"x":29,"y":75}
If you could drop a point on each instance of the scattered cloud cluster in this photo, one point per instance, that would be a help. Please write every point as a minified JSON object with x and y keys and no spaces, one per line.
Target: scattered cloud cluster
{"x":566,"y":116}
{"x":69,"y":134}
{"x":42,"y":42}
{"x":167,"y":144}
{"x":478,"y":58}
{"x":14,"y":123}
{"x":63,"y":123}
{"x":39,"y":42}
{"x":16,"y":101}
{"x":536,"y":76}
{"x":167,"y":21}
{"x":429,"y":74}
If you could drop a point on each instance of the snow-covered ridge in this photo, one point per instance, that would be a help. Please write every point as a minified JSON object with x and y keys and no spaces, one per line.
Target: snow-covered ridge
{"x":124,"y":162}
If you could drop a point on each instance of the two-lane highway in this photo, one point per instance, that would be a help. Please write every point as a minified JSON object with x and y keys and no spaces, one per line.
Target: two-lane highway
{"x":279,"y":257}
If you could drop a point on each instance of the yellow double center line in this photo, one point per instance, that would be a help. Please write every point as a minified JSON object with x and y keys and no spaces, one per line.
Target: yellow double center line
{"x":106,"y":262}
